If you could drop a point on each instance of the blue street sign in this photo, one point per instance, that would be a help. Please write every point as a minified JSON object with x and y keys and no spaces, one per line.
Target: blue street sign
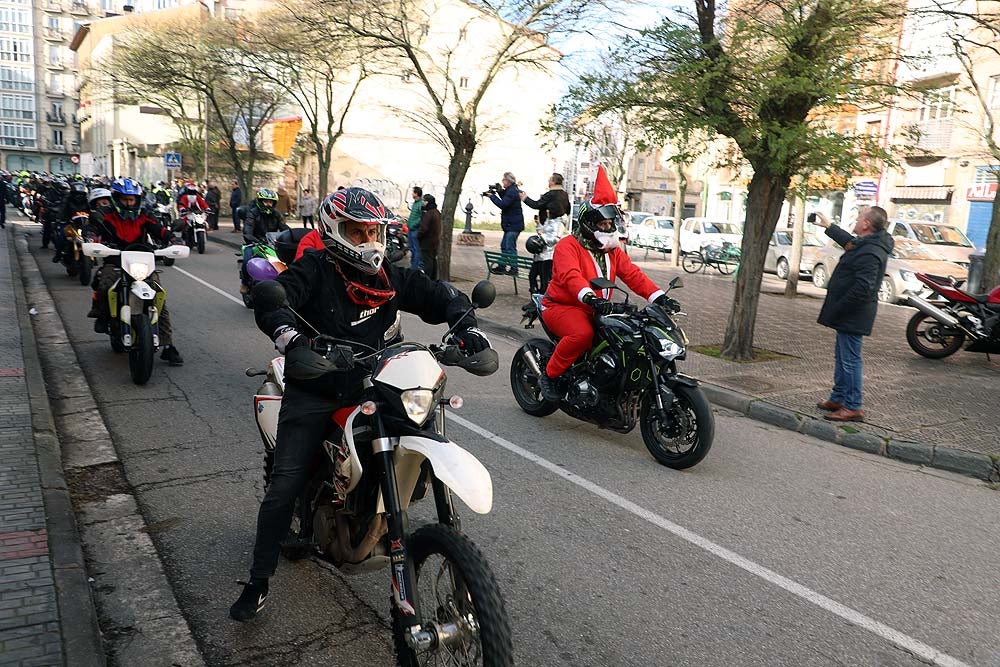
{"x":172,"y":160}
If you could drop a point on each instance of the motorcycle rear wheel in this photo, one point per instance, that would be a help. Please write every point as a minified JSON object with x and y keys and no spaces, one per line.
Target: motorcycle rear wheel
{"x":140,"y":356}
{"x":446,"y":559}
{"x":927,"y":338}
{"x":524,"y":381}
{"x":685,"y":441}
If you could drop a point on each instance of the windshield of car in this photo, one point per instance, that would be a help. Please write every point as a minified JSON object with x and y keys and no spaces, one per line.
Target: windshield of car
{"x":785,"y":238}
{"x":940,"y":235}
{"x":664,"y":223}
{"x":909,"y":249}
{"x":814,"y":241}
{"x":722,"y":228}
{"x":636,"y":218}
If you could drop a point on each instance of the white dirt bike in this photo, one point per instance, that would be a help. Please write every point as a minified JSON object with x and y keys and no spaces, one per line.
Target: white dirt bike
{"x":134,"y":304}
{"x":382,"y":453}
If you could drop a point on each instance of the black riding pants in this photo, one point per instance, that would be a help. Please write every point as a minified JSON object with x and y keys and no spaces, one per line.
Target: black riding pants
{"x":302,"y":423}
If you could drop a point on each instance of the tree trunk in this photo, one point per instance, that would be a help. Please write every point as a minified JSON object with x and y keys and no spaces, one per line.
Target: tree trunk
{"x":991,"y":263}
{"x":324,"y":156}
{"x":795,"y":257}
{"x":764,"y":199}
{"x":682,"y":187}
{"x":457,"y":169}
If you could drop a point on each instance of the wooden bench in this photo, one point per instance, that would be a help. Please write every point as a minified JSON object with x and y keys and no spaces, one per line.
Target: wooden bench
{"x":523,"y":264}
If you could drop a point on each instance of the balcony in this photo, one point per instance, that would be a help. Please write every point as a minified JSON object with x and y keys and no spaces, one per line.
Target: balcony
{"x":52,"y":91}
{"x":54,"y":34}
{"x":54,"y":64}
{"x":55,"y":118}
{"x":52,"y":6}
{"x":55,"y":147}
{"x":79,"y":7}
{"x":930,"y":136}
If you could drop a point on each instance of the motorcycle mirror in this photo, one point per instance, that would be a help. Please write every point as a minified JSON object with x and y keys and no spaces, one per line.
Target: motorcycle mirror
{"x":484,"y":294}
{"x":269,"y":295}
{"x":676,"y":283}
{"x":599,"y":284}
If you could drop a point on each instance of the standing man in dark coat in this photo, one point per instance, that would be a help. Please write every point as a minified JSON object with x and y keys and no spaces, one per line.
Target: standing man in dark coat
{"x":429,"y":235}
{"x":235,"y":201}
{"x":511,"y":221}
{"x":851,"y":304}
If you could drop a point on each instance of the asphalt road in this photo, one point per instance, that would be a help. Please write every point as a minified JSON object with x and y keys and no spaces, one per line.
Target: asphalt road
{"x":777,"y":550}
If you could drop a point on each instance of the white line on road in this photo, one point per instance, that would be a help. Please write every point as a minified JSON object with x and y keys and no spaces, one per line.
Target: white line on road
{"x":852,"y":616}
{"x":210,"y":286}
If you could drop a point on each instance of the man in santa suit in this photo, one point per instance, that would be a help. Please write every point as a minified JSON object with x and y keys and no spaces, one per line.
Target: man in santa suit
{"x":570,"y":304}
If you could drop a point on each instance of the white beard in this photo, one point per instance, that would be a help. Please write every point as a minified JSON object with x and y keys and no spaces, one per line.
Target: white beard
{"x":608,"y":240}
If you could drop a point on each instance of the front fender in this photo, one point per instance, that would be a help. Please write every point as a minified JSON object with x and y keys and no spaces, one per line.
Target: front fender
{"x":143,"y":291}
{"x":680,"y":378}
{"x":457,"y":469}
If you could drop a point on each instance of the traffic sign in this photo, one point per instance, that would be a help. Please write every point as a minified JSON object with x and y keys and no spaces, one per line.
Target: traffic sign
{"x":172,"y":160}
{"x":75,"y":159}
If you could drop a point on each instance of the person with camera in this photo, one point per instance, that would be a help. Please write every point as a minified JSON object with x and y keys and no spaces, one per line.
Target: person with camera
{"x":553,"y":208}
{"x":507,"y":197}
{"x":851,"y":304}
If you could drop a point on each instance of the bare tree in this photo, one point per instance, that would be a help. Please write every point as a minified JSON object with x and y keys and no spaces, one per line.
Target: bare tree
{"x":612,"y":136}
{"x":203,"y":64}
{"x":502,"y":37}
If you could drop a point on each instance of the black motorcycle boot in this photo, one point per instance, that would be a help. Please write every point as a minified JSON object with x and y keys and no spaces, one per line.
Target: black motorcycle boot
{"x":171,"y":356}
{"x":57,"y":257}
{"x":250,"y":602}
{"x":552,"y":389}
{"x":101,"y":325}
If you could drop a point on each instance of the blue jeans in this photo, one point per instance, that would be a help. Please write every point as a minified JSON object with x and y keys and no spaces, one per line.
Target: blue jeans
{"x":508,"y":247}
{"x":847,"y":371}
{"x":416,"y":260}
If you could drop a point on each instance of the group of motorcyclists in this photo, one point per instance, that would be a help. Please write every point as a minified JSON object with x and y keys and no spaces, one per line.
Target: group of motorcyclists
{"x":338,"y":284}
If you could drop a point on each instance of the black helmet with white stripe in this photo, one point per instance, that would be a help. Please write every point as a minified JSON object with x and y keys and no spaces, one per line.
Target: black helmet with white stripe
{"x":360,"y":206}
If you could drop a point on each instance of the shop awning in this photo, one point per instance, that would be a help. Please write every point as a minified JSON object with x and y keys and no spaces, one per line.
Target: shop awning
{"x":922,"y":192}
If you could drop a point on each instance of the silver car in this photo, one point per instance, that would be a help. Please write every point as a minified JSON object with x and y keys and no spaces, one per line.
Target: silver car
{"x":949,"y":242}
{"x":779,"y":253}
{"x":908,"y":259}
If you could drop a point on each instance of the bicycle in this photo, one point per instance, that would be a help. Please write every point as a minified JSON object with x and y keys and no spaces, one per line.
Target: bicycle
{"x":725,"y":259}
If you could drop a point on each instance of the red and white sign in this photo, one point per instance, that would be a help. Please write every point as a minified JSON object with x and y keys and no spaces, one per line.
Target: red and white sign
{"x":981,"y":192}
{"x":75,"y":159}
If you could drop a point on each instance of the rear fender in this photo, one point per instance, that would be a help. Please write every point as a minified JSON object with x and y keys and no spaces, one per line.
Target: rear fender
{"x":456,"y":468}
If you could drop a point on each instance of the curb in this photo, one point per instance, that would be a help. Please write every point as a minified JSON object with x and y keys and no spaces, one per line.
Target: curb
{"x":79,"y":627}
{"x":130,"y":586}
{"x":943,"y":457}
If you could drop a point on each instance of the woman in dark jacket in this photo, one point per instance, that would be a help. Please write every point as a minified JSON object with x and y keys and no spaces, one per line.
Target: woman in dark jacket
{"x":429,"y":235}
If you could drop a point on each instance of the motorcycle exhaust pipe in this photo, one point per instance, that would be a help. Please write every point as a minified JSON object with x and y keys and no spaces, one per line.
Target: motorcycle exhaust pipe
{"x":929,"y":309}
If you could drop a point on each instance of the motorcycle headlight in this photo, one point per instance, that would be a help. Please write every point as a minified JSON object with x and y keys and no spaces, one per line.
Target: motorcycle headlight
{"x":669,"y":349}
{"x":418,"y":404}
{"x":138,"y":270}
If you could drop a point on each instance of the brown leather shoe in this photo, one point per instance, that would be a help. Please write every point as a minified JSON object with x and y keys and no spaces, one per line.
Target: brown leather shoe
{"x":845,"y":415}
{"x":829,"y":406}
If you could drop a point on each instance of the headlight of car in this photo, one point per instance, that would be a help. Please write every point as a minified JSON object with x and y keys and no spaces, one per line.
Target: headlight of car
{"x":908,"y":276}
{"x":418,"y":404}
{"x":138,"y":270}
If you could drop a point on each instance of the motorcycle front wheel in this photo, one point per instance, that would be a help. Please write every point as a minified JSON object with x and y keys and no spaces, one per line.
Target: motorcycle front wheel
{"x":929,"y":338}
{"x":85,"y":271}
{"x":524,"y":380}
{"x":683,"y":439}
{"x":201,"y":243}
{"x":140,"y":356}
{"x":455,"y":588}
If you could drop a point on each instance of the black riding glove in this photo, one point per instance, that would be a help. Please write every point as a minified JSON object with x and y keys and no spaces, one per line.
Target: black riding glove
{"x":600,"y":305}
{"x":668,"y":304}
{"x":472,"y":341}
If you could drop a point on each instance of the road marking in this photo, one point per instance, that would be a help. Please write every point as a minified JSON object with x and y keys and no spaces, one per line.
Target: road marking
{"x":210,"y":286}
{"x":853,"y":616}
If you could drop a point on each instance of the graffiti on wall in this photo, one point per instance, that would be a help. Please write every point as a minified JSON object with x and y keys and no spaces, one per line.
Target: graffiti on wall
{"x":923,"y":212}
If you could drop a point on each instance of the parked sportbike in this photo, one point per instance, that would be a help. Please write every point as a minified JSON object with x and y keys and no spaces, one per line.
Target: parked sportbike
{"x":396,"y":243}
{"x":76,"y":263}
{"x":630,"y":375}
{"x":134,"y":303}
{"x":266,"y":252}
{"x":381,"y":455}
{"x":941,"y":327}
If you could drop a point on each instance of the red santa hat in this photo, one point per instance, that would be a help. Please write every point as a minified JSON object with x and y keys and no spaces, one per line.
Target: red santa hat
{"x":604,"y":193}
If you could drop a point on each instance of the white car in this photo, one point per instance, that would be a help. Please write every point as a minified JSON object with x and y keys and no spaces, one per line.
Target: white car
{"x":698,"y":232}
{"x":655,"y":232}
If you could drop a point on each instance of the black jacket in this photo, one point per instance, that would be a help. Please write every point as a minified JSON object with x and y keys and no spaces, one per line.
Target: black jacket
{"x":511,"y":215}
{"x":553,"y":204}
{"x":317,"y":292}
{"x":256,"y":225}
{"x":852,"y":295}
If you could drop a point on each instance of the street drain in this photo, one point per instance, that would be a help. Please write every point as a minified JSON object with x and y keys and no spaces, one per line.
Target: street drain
{"x":96,"y":482}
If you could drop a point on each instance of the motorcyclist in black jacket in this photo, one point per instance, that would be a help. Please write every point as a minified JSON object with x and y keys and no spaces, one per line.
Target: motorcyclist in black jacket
{"x":75,"y":201}
{"x":346,"y":291}
{"x":258,"y":219}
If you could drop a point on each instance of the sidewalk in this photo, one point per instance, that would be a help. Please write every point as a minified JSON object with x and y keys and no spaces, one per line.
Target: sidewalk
{"x":938,"y":412}
{"x":42,"y":577}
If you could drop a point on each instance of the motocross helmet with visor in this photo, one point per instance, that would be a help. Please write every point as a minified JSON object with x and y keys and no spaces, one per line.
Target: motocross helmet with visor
{"x":265,"y":195}
{"x":123,"y":187}
{"x":354,"y":205}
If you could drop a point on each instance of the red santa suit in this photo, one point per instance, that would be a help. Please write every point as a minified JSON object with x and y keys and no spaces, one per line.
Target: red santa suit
{"x":311,"y":241}
{"x":193,"y":202}
{"x":563,"y":309}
